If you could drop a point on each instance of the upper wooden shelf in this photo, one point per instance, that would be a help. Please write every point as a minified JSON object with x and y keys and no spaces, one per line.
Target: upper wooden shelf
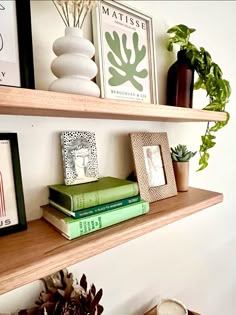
{"x":32,"y":254}
{"x":18,"y":101}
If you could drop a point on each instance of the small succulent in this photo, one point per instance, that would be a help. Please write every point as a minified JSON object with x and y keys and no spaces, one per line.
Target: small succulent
{"x":181,"y":154}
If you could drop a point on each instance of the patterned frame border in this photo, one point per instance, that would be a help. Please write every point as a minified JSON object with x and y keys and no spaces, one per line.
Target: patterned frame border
{"x":71,"y":140}
{"x":138,"y":141}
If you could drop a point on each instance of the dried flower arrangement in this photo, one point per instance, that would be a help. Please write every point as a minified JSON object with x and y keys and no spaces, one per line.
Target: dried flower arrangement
{"x":74,"y":12}
{"x":64,"y":296}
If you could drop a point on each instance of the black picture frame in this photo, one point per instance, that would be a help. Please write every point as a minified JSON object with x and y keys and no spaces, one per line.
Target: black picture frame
{"x":24,"y":45}
{"x":12,"y":206}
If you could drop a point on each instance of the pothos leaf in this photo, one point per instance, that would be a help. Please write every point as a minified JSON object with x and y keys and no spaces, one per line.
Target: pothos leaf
{"x":203,"y":162}
{"x":214,"y":106}
{"x":170,"y":46}
{"x":198,"y":84}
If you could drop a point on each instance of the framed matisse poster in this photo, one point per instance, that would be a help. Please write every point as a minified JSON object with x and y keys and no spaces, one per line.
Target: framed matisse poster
{"x":79,"y":152}
{"x":12,"y":208}
{"x":124,"y":43}
{"x":16,"y":56}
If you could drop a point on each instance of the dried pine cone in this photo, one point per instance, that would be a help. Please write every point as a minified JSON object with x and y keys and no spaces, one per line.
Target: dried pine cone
{"x":63,"y":297}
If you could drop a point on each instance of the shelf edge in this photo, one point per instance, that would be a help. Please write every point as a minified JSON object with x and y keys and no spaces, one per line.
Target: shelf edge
{"x":18,"y":101}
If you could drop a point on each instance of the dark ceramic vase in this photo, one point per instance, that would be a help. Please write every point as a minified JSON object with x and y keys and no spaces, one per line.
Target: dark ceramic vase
{"x":180,"y":79}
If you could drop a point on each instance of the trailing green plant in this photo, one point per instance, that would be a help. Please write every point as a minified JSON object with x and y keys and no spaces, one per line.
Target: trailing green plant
{"x":181,"y":154}
{"x":210,"y":78}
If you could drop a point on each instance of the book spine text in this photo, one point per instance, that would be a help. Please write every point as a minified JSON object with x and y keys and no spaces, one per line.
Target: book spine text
{"x":92,"y":199}
{"x":97,"y":222}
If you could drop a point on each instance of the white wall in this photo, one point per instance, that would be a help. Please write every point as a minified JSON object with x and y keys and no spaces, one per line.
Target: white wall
{"x":193,"y":259}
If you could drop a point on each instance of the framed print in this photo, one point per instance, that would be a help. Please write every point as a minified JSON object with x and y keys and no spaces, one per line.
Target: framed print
{"x":153,"y":165}
{"x":12,"y":207}
{"x":124,"y":43}
{"x":16,"y":55}
{"x":79,"y":152}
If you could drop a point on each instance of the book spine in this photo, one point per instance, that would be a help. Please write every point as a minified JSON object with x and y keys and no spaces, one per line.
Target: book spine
{"x":63,"y":209}
{"x":64,"y":200}
{"x":106,"y":207}
{"x":97,"y":209}
{"x":97,"y":222}
{"x":92,"y":199}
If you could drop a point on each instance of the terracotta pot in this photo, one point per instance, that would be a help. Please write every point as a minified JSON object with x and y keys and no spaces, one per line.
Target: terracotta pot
{"x":181,"y":170}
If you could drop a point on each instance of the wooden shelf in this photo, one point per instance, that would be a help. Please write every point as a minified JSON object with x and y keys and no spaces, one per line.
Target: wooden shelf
{"x":29,"y":255}
{"x":18,"y":101}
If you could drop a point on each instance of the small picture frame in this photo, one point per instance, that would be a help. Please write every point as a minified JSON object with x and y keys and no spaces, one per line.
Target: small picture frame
{"x":16,"y":53}
{"x":79,"y":152}
{"x":125,"y":53}
{"x":153,"y":165}
{"x":12,"y":207}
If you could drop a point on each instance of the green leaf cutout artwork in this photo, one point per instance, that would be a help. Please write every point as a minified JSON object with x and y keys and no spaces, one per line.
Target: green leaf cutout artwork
{"x":123,"y":69}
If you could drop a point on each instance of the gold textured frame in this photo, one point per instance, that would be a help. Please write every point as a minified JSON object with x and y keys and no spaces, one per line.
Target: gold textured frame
{"x":157,"y":144}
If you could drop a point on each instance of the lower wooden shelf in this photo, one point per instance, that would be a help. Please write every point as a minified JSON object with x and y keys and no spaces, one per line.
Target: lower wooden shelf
{"x":40,"y":250}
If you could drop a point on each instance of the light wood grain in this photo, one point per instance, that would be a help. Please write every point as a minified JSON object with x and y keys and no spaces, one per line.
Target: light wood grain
{"x":18,"y":101}
{"x":153,"y":311}
{"x":29,"y":255}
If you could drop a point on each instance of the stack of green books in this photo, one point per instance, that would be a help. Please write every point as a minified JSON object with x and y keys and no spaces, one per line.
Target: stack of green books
{"x":81,"y":209}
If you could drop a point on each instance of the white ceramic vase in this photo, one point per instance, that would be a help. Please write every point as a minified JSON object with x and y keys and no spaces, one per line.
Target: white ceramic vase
{"x":73,"y":66}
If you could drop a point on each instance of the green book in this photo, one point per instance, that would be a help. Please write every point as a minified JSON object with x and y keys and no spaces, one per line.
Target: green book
{"x":97,"y":209}
{"x":106,"y":189}
{"x":72,"y":228}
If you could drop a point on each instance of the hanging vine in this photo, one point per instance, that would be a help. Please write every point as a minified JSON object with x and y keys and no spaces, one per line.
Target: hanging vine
{"x":210,"y":78}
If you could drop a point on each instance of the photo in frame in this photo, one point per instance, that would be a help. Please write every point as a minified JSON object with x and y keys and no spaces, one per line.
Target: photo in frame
{"x":79,"y":152}
{"x":16,"y":54}
{"x":125,"y":52}
{"x":153,"y":165}
{"x":12,"y":207}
